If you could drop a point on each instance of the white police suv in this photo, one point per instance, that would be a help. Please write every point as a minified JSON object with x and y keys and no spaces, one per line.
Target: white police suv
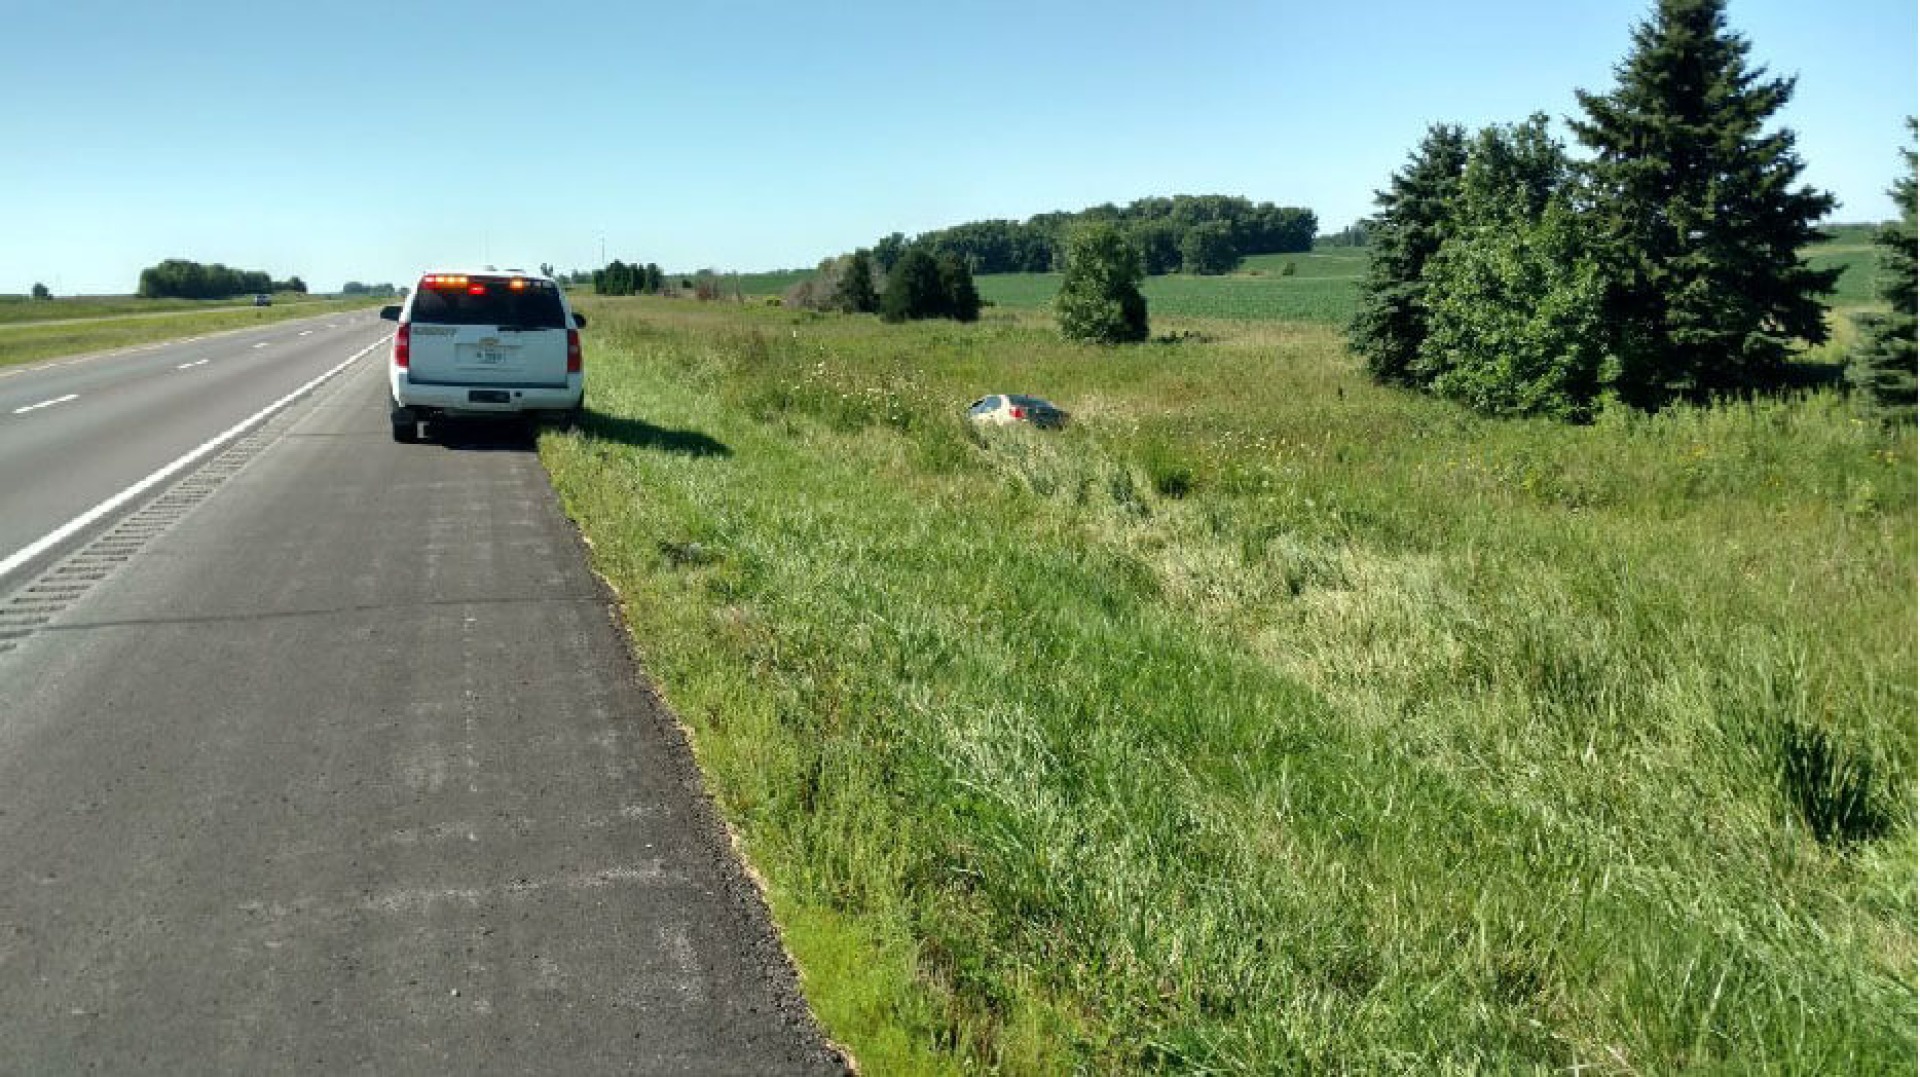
{"x":480,"y":343}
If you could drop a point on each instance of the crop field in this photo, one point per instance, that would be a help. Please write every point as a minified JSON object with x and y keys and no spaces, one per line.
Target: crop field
{"x":1851,"y":247}
{"x":1266,"y":720}
{"x":1313,"y":299}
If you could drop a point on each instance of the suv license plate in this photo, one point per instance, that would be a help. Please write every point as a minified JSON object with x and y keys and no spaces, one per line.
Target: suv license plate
{"x":486,"y":396}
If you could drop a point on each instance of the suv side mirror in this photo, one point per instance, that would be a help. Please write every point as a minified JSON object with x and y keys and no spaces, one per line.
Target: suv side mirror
{"x":579,"y":321}
{"x":391,"y":314}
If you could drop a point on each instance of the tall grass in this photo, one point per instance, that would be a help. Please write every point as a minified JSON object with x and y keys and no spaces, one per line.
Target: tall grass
{"x":1266,"y":720}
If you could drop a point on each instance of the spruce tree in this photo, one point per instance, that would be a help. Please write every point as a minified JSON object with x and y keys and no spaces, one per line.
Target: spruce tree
{"x":1100,"y":300}
{"x":961,"y":300}
{"x":1882,"y":366}
{"x":1415,"y":217}
{"x":1696,"y":213}
{"x":913,"y":289}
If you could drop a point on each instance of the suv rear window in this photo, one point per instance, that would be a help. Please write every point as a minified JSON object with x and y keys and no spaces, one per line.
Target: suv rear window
{"x":534,"y":305}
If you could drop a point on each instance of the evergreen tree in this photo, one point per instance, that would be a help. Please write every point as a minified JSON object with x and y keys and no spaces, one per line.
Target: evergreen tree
{"x":1882,"y":366}
{"x":40,"y":291}
{"x":960,"y":300}
{"x":855,"y":293}
{"x":1697,"y":215}
{"x":913,"y":289}
{"x":1415,"y":217}
{"x":1100,"y":300}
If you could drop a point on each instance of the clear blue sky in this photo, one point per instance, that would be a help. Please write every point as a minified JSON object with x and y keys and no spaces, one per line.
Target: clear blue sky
{"x":346,"y":142}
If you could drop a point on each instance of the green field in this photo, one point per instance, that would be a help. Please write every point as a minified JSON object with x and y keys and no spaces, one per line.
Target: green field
{"x":1267,"y":720}
{"x":1851,"y":247}
{"x":31,"y":330}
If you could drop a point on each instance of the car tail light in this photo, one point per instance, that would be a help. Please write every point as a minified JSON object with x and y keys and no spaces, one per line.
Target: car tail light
{"x":573,"y":351}
{"x":402,"y":346}
{"x":1018,"y":413}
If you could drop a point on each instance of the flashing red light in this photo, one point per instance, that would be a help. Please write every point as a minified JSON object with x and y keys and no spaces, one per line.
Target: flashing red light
{"x":476,"y":289}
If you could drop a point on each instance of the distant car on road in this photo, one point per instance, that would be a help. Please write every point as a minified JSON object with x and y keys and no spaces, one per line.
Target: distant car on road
{"x":1006,"y":409}
{"x":263,"y":300}
{"x":483,"y":342}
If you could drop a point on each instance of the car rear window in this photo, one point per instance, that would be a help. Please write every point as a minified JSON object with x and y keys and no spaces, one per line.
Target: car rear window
{"x":1029,"y":402}
{"x":534,"y":305}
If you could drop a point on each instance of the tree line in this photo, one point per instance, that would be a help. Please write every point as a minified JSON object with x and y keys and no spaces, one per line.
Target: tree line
{"x":620,"y":278}
{"x":1191,"y":233}
{"x":177,"y":278}
{"x":1664,"y":267}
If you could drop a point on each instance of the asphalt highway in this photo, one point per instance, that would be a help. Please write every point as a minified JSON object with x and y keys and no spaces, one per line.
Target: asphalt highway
{"x":327,"y":754}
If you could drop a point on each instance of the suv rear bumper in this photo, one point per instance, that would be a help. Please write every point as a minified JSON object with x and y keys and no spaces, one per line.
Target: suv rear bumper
{"x":455,"y":399}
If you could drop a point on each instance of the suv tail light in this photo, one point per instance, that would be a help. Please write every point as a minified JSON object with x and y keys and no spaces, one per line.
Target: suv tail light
{"x":1018,"y":413}
{"x":573,"y":351}
{"x":402,"y":346}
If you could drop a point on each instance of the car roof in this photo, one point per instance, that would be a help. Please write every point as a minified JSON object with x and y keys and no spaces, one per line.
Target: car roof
{"x":483,"y":271}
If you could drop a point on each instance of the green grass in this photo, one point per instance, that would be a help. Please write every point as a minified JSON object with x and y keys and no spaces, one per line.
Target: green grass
{"x":1266,"y":720}
{"x":90,"y":326}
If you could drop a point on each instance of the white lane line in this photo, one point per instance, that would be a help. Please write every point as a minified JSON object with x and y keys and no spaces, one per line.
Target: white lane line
{"x":67,"y":530}
{"x":306,"y":332}
{"x":190,"y":366}
{"x":263,"y":344}
{"x":333,"y":325}
{"x":46,"y":403}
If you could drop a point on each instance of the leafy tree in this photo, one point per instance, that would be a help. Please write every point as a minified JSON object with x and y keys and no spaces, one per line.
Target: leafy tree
{"x":1415,"y":217}
{"x":1882,"y":366}
{"x":888,"y":252}
{"x":1696,"y":211}
{"x":546,"y":269}
{"x":181,"y":279}
{"x":1208,"y":249}
{"x":1159,"y":243}
{"x":1100,"y":300}
{"x":959,"y":299}
{"x":1514,"y":318}
{"x":40,"y":291}
{"x":913,"y":289}
{"x":1513,"y":297}
{"x":855,"y":293}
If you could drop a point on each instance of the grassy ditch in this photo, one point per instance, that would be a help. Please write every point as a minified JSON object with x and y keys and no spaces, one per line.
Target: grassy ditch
{"x":1265,"y":720}
{"x":89,"y":327}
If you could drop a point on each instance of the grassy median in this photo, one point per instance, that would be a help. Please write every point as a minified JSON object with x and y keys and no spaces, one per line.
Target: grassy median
{"x":75,"y":327}
{"x":1264,"y":719}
